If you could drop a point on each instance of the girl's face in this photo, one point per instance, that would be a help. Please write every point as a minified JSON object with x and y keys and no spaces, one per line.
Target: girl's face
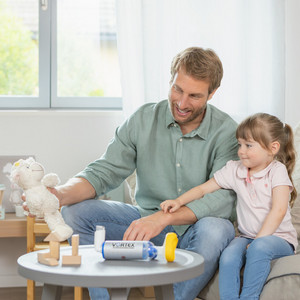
{"x":253,"y":155}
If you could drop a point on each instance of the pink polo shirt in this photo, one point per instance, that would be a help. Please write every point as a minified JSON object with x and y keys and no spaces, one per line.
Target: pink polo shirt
{"x":254,"y":197}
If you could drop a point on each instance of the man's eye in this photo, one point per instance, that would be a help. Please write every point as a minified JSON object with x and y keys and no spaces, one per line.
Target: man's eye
{"x":177,"y":89}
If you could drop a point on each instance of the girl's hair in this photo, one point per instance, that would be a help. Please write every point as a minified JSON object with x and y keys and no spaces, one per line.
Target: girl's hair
{"x":202,"y":64}
{"x":265,"y":129}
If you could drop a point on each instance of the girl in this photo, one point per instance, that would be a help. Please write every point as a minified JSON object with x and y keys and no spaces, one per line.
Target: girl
{"x":262,"y":181}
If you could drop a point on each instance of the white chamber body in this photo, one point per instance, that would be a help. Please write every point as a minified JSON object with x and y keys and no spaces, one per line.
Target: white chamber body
{"x":99,"y":237}
{"x":128,"y":250}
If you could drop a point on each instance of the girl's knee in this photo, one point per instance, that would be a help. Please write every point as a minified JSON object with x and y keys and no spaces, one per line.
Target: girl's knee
{"x":261,"y":247}
{"x":260,"y":244}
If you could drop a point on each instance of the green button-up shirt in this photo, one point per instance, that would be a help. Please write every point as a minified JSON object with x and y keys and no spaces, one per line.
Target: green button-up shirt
{"x":167,"y":162}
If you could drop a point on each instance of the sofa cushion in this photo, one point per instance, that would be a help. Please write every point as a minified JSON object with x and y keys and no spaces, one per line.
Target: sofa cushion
{"x":284,"y":280}
{"x":211,"y":290}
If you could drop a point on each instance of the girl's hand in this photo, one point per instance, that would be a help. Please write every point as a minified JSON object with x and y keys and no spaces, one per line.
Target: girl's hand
{"x":170,"y":206}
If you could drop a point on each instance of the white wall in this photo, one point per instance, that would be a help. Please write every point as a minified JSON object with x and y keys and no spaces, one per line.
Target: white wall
{"x":64,"y":142}
{"x":292,"y":81}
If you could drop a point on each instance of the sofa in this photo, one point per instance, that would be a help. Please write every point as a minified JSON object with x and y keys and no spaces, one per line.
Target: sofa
{"x":283,"y":282}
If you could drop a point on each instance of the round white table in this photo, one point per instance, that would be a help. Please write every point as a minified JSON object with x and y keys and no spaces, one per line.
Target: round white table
{"x":117,"y":275}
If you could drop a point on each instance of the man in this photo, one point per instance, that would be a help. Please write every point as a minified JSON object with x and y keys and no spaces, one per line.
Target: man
{"x":173,"y":145}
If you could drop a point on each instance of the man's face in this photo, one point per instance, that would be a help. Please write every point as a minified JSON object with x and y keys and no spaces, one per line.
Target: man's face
{"x":187,"y":99}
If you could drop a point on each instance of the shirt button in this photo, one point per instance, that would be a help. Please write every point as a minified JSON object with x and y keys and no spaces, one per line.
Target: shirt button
{"x":180,"y":140}
{"x":178,"y":165}
{"x":179,"y":190}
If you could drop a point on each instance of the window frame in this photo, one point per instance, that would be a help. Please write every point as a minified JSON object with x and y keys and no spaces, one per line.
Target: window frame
{"x":47,"y":98}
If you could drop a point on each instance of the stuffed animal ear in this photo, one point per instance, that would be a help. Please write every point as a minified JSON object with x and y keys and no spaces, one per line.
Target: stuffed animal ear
{"x":30,"y":160}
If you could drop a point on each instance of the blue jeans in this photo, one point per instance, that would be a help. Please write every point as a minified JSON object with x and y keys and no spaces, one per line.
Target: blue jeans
{"x":257,"y":260}
{"x":209,"y":236}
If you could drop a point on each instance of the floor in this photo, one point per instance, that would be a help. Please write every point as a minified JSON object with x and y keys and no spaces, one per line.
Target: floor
{"x":19,"y":293}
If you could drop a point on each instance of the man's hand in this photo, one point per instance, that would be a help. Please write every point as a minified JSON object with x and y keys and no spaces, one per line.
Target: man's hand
{"x":145,"y":228}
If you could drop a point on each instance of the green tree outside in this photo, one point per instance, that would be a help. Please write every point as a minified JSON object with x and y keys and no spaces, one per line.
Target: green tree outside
{"x":18,"y":56}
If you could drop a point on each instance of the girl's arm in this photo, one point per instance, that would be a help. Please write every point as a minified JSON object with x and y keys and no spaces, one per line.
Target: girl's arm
{"x":280,"y":200}
{"x":193,"y":194}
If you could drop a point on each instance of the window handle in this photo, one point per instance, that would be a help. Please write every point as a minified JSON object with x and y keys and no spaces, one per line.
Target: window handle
{"x":44,"y":4}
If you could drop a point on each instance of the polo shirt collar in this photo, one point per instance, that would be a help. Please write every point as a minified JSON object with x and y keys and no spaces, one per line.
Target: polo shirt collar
{"x":242,"y":171}
{"x":201,"y":131}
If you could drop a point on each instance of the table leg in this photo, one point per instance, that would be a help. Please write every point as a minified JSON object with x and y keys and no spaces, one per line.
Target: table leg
{"x":119,"y":293}
{"x":51,"y":292}
{"x":164,"y":292}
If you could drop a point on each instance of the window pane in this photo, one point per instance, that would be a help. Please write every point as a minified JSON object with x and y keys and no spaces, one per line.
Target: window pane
{"x":87,"y":60}
{"x":19,"y":47}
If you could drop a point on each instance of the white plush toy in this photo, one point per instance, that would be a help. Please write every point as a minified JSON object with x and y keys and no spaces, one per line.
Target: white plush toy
{"x":29,"y":175}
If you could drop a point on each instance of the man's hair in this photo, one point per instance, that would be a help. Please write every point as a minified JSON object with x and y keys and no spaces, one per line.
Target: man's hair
{"x":199,"y":63}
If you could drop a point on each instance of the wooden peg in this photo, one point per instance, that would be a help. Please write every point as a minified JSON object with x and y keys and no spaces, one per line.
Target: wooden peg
{"x":74,"y":259}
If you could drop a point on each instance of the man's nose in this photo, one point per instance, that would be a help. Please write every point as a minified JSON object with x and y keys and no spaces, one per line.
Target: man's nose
{"x":183,"y":101}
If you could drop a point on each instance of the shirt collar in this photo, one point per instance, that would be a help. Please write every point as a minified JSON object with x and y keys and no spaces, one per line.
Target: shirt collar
{"x":242,"y":171}
{"x":201,"y":131}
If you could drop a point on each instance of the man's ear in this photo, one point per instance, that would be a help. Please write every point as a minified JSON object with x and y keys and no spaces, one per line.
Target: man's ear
{"x":275,"y":146}
{"x":211,"y":94}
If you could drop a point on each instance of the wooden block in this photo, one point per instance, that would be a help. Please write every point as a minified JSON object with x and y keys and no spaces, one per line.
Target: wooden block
{"x":75,"y":244}
{"x":70,"y":260}
{"x":45,"y":259}
{"x":53,"y":236}
{"x":54,"y":249}
{"x":44,"y":255}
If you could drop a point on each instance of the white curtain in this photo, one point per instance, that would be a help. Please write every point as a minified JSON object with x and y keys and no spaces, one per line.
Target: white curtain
{"x":248,"y":36}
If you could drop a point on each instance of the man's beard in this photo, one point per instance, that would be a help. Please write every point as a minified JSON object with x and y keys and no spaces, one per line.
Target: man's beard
{"x":195,"y":114}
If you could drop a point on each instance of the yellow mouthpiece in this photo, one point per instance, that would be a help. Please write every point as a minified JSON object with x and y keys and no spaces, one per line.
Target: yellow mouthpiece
{"x":170,"y":244}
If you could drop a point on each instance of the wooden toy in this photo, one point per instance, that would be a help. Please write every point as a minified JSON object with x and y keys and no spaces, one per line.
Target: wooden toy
{"x":74,"y":259}
{"x":50,"y":258}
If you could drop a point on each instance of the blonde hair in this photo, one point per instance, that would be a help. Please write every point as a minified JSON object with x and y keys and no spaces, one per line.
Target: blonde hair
{"x":199,"y":63}
{"x":265,"y":129}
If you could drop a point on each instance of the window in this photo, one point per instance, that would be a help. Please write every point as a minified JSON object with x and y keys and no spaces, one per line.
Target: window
{"x":59,"y":54}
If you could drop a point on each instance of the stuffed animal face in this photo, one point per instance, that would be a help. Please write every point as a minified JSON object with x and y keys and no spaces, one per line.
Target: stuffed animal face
{"x":27,"y":173}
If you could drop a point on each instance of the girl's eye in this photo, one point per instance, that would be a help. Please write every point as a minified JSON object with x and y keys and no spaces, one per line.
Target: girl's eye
{"x":249,"y":146}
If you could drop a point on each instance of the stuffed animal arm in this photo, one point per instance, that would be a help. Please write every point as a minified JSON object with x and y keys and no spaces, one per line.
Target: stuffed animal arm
{"x":30,"y":176}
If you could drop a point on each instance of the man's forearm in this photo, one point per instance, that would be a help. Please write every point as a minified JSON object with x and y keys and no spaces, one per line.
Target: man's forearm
{"x":148,"y":227}
{"x":183,"y":216}
{"x":75,"y":190}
